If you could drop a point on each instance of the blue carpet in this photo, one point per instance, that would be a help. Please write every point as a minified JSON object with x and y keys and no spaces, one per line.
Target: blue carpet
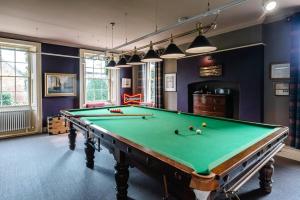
{"x":41,"y":167}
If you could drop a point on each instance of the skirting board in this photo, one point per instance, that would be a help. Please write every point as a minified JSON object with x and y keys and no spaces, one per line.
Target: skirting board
{"x":290,"y":153}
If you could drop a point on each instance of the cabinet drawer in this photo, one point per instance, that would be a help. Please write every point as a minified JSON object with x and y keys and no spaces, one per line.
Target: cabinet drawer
{"x":209,"y":100}
{"x":208,"y":113}
{"x":211,"y":108}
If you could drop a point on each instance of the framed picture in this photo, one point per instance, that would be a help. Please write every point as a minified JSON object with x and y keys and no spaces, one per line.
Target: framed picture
{"x":170,"y":82}
{"x":280,"y":71}
{"x":211,"y":71}
{"x":282,"y":89}
{"x":57,"y":84}
{"x":126,"y":82}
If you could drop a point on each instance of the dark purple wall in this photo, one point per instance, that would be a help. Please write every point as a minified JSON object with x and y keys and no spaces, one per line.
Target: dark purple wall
{"x":244,"y":67}
{"x":277,"y":38}
{"x":55,"y":64}
{"x":125,"y":72}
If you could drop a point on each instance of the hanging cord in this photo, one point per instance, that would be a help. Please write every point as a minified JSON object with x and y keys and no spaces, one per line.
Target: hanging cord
{"x":112,"y":34}
{"x":208,"y":6}
{"x":155,"y":15}
{"x":106,"y":46}
{"x":125,"y":26}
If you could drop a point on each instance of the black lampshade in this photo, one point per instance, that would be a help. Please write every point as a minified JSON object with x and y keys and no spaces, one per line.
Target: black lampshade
{"x":151,"y":56}
{"x":135,"y":60}
{"x":111,"y":64}
{"x":172,"y":51}
{"x":200,"y":45}
{"x":122,"y":62}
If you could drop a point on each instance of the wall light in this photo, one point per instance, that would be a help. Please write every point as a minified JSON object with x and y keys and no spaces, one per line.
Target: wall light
{"x":270,"y":5}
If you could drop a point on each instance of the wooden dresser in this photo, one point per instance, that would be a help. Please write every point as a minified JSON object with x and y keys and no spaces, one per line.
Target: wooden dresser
{"x":210,"y":104}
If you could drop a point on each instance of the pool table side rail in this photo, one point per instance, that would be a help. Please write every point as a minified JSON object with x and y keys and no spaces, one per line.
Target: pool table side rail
{"x":238,"y":159}
{"x":212,"y":117}
{"x":202,"y":182}
{"x":173,"y":111}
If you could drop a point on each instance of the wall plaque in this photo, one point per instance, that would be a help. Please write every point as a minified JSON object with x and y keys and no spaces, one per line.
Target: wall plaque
{"x":215,"y":70}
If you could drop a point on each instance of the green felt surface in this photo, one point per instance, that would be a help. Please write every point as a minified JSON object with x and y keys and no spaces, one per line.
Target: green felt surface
{"x":219,"y":141}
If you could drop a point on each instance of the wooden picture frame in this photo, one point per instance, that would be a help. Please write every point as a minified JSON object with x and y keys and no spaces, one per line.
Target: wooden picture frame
{"x":282,"y":89}
{"x":280,"y":71}
{"x":211,"y":71}
{"x":126,"y":83}
{"x":170,"y":82}
{"x":59,"y":84}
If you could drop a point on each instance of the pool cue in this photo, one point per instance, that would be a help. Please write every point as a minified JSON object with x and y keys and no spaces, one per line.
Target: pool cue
{"x":112,"y":115}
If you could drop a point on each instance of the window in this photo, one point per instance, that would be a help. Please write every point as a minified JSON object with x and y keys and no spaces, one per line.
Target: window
{"x":14,"y":76}
{"x":150,"y":92}
{"x":96,"y":78}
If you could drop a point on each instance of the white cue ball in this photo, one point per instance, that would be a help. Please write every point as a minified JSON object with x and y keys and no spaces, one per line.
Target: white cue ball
{"x":198,"y":131}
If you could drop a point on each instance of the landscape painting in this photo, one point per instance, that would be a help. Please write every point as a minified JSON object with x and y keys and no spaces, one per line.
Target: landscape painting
{"x":57,"y":84}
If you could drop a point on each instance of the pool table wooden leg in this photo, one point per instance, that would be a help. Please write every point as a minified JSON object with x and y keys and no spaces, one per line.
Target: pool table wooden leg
{"x":202,"y":195}
{"x":121,"y":175}
{"x":89,"y":153}
{"x":265,"y":176}
{"x":72,"y":137}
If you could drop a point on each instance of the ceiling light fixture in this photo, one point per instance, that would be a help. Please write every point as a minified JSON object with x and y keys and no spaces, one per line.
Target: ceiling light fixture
{"x":122,"y":62}
{"x":112,"y":62}
{"x":151,"y":55}
{"x":200,"y":43}
{"x":172,"y":51}
{"x":270,"y":5}
{"x":135,"y":59}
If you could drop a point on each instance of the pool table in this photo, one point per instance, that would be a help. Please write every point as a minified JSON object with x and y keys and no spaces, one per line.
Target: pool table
{"x":195,"y":157}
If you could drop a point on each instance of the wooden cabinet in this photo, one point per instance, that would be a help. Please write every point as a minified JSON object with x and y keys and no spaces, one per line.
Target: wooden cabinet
{"x":210,"y":104}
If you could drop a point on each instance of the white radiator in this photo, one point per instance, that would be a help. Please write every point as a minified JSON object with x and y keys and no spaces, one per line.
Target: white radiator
{"x":15,"y":120}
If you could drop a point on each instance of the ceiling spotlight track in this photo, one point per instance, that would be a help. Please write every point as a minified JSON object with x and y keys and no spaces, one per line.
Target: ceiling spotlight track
{"x":210,"y":12}
{"x":204,"y":29}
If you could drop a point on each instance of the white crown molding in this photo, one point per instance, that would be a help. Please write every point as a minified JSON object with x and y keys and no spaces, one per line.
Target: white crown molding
{"x":47,"y":41}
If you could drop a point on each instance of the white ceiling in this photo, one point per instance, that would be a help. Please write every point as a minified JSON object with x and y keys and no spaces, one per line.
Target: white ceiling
{"x":84,"y":22}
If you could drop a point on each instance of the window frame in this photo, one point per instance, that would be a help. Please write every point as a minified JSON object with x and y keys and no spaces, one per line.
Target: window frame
{"x":147,"y":94}
{"x":113,"y":81}
{"x":16,"y":48}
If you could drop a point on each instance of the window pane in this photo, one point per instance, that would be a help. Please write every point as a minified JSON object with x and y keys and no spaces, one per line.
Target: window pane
{"x":98,"y":70}
{"x":21,"y":84}
{"x":89,"y":70}
{"x":7,"y":55}
{"x":21,"y":98}
{"x":101,"y":95}
{"x":89,"y":63}
{"x":97,"y":63}
{"x":21,"y":69}
{"x":98,"y":95}
{"x":8,"y":84}
{"x":90,"y":95}
{"x":8,"y":69}
{"x":103,"y":84}
{"x":21,"y":56}
{"x":7,"y":98}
